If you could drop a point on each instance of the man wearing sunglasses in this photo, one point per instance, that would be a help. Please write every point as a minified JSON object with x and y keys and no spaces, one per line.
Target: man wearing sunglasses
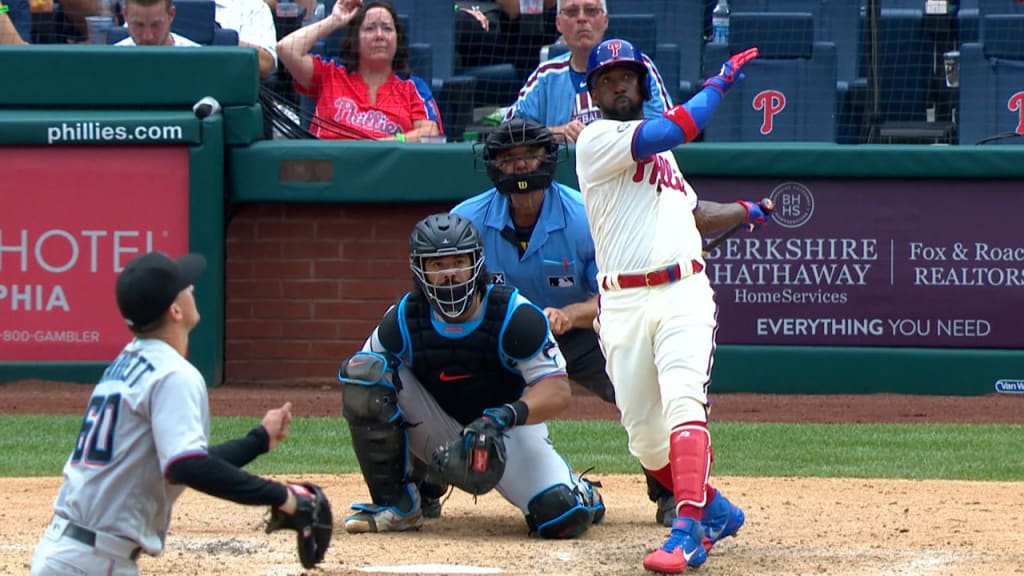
{"x":556,"y":95}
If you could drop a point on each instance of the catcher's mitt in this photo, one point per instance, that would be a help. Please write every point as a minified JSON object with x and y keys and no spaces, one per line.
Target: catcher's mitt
{"x":312,"y":521}
{"x":476,"y":462}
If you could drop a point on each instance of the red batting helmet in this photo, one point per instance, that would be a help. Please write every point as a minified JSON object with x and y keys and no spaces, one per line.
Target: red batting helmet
{"x":616,"y":52}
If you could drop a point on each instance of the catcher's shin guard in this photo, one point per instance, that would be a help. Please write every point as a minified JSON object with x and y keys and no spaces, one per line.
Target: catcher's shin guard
{"x":377,"y":425}
{"x":690,"y":458}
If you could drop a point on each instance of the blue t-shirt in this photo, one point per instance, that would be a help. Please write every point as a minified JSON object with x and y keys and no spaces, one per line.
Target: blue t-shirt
{"x":554,"y":94}
{"x":558,"y":267}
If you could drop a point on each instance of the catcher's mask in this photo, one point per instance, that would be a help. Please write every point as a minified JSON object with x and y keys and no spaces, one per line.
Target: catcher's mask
{"x":616,"y":52}
{"x":437,"y":236}
{"x":515,"y":133}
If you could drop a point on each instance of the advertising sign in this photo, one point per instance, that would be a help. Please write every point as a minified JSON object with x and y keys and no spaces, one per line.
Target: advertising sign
{"x":922,"y":263}
{"x":71,"y":218}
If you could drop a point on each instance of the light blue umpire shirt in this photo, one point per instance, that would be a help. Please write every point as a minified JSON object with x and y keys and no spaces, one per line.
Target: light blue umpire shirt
{"x":558,"y":267}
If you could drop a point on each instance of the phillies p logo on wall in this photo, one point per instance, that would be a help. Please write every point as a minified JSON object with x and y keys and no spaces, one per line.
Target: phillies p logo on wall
{"x":770,"y":102}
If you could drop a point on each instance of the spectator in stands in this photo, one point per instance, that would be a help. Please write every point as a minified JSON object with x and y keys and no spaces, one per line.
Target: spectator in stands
{"x":15,"y":22}
{"x":363,"y":96}
{"x":149,"y":24}
{"x":8,"y":33}
{"x":556,"y":95}
{"x":254,"y":23}
{"x":496,"y":33}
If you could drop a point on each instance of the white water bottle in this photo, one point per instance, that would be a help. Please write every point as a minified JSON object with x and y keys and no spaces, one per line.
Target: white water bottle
{"x":720,"y":23}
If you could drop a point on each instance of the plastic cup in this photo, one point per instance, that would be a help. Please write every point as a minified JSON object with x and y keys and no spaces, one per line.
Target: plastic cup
{"x":434,"y":139}
{"x":96,"y":27}
{"x":531,"y":6}
{"x":951,"y":67}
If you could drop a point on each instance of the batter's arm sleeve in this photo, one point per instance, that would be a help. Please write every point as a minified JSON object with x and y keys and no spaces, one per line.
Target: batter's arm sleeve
{"x":678,"y":125}
{"x":218,"y":478}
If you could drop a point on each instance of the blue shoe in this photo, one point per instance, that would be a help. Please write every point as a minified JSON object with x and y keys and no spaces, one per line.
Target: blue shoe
{"x":721,"y":520}
{"x":682,"y":549}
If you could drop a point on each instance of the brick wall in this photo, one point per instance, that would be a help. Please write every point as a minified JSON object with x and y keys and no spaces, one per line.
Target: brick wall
{"x":307,"y":283}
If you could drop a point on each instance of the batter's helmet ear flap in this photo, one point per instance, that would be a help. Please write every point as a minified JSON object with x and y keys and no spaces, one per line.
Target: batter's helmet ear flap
{"x":618,"y":52}
{"x":515,"y":133}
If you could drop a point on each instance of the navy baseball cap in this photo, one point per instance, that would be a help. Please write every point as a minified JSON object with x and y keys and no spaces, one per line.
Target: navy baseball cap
{"x":149,"y":284}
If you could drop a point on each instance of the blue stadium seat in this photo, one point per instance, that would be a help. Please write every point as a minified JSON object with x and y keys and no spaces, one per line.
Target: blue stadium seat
{"x":839,"y":22}
{"x":905,"y":60}
{"x":640,"y":29}
{"x":835,"y":21}
{"x":992,"y":80}
{"x":971,"y":11}
{"x":680,"y":39}
{"x":789,"y":94}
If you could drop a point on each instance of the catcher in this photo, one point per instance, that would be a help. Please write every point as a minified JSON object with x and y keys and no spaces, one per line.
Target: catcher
{"x":462,"y":374}
{"x":145,"y":438}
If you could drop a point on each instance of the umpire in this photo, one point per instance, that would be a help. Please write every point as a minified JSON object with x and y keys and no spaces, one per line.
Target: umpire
{"x":536,"y":238}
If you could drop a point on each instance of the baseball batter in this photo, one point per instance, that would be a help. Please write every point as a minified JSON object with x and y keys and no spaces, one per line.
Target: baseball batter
{"x":657,"y":316}
{"x":145,"y":434}
{"x":458,"y":354}
{"x":536,"y":238}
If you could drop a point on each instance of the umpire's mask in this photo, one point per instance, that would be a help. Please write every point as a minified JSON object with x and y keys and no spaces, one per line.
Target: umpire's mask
{"x":515,"y":133}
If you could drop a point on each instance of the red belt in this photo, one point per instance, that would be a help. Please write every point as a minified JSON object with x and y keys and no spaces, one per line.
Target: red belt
{"x":653,"y":278}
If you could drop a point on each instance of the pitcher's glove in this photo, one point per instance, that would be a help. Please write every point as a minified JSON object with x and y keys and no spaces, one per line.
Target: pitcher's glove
{"x":476,"y":462}
{"x":312,"y":521}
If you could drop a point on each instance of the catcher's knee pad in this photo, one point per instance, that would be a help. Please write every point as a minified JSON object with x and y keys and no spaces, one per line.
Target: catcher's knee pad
{"x":377,"y":425}
{"x":561,"y":512}
{"x":367,"y":396}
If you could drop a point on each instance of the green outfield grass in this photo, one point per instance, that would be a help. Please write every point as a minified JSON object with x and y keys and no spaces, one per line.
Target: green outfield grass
{"x":39,"y":445}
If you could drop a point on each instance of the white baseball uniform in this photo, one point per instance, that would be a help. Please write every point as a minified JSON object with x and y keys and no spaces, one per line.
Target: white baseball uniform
{"x":149,"y":409}
{"x":658,"y":339}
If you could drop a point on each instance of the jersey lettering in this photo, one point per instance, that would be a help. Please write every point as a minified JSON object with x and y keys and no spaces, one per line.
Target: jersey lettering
{"x":347,"y":112}
{"x":128,"y":368}
{"x":771,"y":102}
{"x":95,"y":445}
{"x":662,"y":173}
{"x":584,"y":109}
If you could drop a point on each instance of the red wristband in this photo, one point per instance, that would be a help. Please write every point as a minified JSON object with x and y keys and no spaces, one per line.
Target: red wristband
{"x":681,"y":117}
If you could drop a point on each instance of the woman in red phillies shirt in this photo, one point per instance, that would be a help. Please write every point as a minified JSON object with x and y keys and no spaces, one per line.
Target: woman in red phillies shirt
{"x":362,"y":97}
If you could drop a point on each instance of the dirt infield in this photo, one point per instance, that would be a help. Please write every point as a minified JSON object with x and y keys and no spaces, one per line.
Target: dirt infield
{"x":795,"y":525}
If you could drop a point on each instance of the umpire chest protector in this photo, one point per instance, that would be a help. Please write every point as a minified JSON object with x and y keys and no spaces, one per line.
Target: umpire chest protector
{"x":463,"y":369}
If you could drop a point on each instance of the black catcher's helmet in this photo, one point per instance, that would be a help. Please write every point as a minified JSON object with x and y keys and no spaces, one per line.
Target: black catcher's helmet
{"x":521,"y":132}
{"x":446,"y":235}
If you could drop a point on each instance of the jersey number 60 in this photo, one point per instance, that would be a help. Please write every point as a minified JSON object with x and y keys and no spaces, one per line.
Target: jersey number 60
{"x":96,"y":437}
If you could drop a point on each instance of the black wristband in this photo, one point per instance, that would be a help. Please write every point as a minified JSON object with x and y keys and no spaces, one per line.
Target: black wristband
{"x":521,"y":410}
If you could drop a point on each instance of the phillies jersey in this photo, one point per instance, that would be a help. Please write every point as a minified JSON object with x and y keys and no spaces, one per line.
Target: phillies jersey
{"x":344,"y":98}
{"x":554,"y":94}
{"x":149,"y":409}
{"x":640,"y":212}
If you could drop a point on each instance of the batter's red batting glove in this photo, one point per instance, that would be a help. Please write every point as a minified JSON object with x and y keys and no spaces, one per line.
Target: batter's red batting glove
{"x":758,"y":214}
{"x":732,"y":71}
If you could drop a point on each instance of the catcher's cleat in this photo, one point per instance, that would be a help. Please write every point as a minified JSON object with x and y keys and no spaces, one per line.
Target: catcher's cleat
{"x":666,"y":510}
{"x":721,"y":519}
{"x":682,"y":549}
{"x":374,"y":518}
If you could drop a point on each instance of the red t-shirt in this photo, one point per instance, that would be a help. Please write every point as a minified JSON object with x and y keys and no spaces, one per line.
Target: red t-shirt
{"x":343,"y":98}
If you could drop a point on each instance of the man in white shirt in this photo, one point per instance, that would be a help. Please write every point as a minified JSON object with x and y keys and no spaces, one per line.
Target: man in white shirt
{"x":255,"y":26}
{"x":149,"y":24}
